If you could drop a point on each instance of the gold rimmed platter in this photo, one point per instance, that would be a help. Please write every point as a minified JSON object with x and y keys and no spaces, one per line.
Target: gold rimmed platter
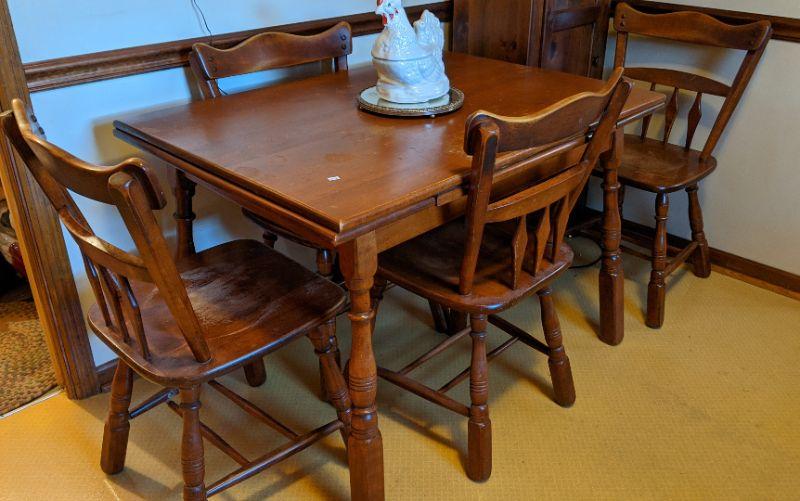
{"x":370,"y":101}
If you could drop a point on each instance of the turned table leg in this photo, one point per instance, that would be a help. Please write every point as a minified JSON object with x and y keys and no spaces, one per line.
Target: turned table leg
{"x":612,"y":278}
{"x":359,"y":262}
{"x":184,"y":190}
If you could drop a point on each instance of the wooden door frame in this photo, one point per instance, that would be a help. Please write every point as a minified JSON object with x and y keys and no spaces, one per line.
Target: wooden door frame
{"x":42,"y":242}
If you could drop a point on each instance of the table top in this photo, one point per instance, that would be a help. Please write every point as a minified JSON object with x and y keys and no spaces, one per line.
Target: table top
{"x":304,"y":145}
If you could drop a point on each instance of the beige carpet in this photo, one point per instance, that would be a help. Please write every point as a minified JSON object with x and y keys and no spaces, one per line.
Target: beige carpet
{"x":706,"y":408}
{"x":26,"y":371}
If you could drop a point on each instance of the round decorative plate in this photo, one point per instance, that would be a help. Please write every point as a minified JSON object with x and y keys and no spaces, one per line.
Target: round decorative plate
{"x":369,"y":100}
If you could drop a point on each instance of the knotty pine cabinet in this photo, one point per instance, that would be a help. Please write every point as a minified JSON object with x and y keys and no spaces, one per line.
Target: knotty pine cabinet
{"x":562,"y":35}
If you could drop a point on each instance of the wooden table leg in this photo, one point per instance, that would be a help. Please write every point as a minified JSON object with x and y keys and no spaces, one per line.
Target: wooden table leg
{"x":359,"y":262}
{"x":612,"y":278}
{"x":184,"y":190}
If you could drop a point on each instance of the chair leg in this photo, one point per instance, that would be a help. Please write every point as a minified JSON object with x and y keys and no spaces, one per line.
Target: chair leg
{"x":334,"y":386}
{"x":255,"y":373}
{"x":447,"y":320}
{"x":324,"y":395}
{"x":376,"y":295}
{"x":270,"y":238}
{"x":439,"y":317}
{"x":192,"y":446}
{"x":560,"y":369}
{"x":656,"y":291}
{"x":184,"y":216}
{"x":701,"y":261}
{"x":115,"y":435}
{"x":479,"y":462}
{"x":456,"y":322}
{"x":325,"y":263}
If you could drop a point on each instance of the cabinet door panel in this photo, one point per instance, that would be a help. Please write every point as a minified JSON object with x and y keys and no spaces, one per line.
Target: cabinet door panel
{"x":574,"y":36}
{"x":499,"y":29}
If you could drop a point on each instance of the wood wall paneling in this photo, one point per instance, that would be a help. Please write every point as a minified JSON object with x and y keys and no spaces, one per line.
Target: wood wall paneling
{"x":484,"y":28}
{"x":562,"y":35}
{"x":574,"y":36}
{"x":764,"y":276}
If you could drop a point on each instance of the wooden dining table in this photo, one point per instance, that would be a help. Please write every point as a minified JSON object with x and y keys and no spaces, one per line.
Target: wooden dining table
{"x":303,"y":156}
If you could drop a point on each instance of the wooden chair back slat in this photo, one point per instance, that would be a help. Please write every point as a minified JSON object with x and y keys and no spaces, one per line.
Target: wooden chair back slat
{"x":268,"y":51}
{"x":691,"y":27}
{"x":98,"y":249}
{"x":680,"y":79}
{"x":134,"y":190}
{"x":670,"y":114}
{"x":589,"y":115}
{"x":519,"y":246}
{"x":646,"y":120}
{"x":111,"y":298}
{"x":93,"y":275}
{"x":88,"y":180}
{"x":133,"y":313}
{"x":695,"y":114}
{"x":109,"y":256}
{"x":700,"y":29}
{"x":541,"y":238}
{"x":574,"y":117}
{"x":535,"y":197}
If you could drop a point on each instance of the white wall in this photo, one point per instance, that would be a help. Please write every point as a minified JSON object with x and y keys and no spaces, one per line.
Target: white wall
{"x":750,"y":201}
{"x":80,"y":118}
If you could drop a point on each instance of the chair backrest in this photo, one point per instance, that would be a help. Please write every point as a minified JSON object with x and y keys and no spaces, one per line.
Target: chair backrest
{"x":547,"y":204}
{"x":700,"y":29}
{"x":268,"y":51}
{"x":134,"y":190}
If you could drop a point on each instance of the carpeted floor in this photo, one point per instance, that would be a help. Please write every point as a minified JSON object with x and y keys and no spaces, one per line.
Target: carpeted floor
{"x":26,"y":372}
{"x":706,"y":408}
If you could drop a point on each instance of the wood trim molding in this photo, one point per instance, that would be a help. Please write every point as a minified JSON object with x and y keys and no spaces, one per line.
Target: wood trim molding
{"x":42,"y":242}
{"x":74,"y":70}
{"x":105,"y":374}
{"x":643,"y":235}
{"x":762,"y":275}
{"x":784,"y":28}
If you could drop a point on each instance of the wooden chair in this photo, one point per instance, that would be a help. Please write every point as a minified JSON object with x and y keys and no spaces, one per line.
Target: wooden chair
{"x":487,"y":263}
{"x":266,"y":51}
{"x":656,"y":165}
{"x":181,"y":325}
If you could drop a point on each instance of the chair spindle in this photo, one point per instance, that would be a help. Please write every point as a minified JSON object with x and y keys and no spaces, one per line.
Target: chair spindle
{"x":695,"y":114}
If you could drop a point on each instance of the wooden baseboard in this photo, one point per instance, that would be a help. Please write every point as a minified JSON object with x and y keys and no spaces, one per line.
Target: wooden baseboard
{"x":744,"y":269}
{"x":105,"y":374}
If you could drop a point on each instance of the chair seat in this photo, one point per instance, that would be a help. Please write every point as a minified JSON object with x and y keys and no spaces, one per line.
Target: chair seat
{"x":429,"y":266}
{"x":250,"y":300}
{"x":652,"y":166}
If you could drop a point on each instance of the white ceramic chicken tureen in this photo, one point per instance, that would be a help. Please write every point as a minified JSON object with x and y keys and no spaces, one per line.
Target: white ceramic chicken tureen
{"x":409,"y":59}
